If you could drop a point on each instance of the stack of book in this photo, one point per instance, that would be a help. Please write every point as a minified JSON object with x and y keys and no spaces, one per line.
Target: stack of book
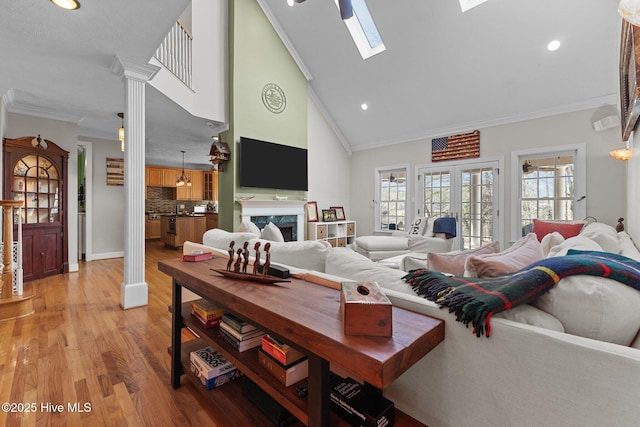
{"x":239,"y":333}
{"x":211,"y":368}
{"x":286,"y":363}
{"x":206,"y":312}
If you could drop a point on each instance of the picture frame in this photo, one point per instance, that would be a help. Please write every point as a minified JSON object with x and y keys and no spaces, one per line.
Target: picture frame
{"x":629,"y":69}
{"x":312,"y":212}
{"x":328,"y":215}
{"x":339,"y":213}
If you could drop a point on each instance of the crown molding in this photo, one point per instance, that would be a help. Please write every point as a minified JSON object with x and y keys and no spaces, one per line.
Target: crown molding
{"x":14,"y":105}
{"x":611,"y":99}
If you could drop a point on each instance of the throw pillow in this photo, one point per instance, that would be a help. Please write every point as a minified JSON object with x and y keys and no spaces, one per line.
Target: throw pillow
{"x":551,"y":240}
{"x":453,"y":263}
{"x":272,"y":232}
{"x":522,"y":253}
{"x":577,"y":242}
{"x":604,"y":235}
{"x":565,"y":228}
{"x":594,"y":307}
{"x":530,"y":315}
{"x":249,"y":227}
{"x":418,"y":226}
{"x":627,"y":248}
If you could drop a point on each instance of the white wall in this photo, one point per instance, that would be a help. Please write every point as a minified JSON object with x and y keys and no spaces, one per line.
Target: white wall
{"x":107,"y":202}
{"x":208,"y":99}
{"x":64,"y":135}
{"x":329,"y":171}
{"x":606,"y":177}
{"x":632,"y":219}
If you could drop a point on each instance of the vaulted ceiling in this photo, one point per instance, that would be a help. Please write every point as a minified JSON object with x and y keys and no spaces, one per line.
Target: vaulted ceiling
{"x":443,"y":71}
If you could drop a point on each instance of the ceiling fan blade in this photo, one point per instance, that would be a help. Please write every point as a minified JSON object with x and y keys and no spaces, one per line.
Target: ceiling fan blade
{"x":468,"y":4}
{"x":346,"y":10}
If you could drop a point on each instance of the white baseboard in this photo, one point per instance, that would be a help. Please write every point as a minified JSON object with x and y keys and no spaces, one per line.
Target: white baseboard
{"x":107,"y":255}
{"x":74,"y":268}
{"x":134,"y":295}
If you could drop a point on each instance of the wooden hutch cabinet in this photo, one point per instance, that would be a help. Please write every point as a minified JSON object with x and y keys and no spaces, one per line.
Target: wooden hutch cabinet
{"x":37,"y":174}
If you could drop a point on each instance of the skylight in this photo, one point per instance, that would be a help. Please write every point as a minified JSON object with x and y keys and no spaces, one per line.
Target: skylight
{"x":363,"y":30}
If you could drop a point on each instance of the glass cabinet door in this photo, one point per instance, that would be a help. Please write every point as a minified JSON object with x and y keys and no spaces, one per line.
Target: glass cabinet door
{"x":36,"y":181}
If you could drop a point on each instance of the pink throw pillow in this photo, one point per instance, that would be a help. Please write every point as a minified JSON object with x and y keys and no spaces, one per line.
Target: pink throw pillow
{"x":566,"y":229}
{"x":522,"y":253}
{"x":453,"y":263}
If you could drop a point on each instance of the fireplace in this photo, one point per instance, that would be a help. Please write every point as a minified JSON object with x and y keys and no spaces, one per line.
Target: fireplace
{"x":288,"y":215}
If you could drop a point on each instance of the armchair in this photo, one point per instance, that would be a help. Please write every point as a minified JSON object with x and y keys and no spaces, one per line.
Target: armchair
{"x":424,"y":235}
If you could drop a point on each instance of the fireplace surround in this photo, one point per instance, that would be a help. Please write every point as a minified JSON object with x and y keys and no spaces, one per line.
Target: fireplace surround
{"x":288,"y":215}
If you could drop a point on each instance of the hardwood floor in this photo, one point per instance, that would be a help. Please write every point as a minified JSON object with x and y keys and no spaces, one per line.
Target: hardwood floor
{"x":80,"y":348}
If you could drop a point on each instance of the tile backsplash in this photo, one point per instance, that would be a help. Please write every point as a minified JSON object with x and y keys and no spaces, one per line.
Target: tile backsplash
{"x":163,"y":199}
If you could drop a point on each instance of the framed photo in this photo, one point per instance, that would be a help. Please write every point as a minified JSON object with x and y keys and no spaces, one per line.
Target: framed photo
{"x":328,"y":215}
{"x":312,"y":211}
{"x":339,"y":212}
{"x":629,"y":79}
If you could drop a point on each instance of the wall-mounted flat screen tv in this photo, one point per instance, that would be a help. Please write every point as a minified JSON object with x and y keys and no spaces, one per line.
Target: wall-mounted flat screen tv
{"x":268,"y":165}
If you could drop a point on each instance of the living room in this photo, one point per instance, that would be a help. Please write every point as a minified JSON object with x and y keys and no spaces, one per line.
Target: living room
{"x":344,"y":175}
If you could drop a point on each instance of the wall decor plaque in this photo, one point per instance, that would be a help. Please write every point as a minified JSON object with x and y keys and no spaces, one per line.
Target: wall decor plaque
{"x":273,"y":98}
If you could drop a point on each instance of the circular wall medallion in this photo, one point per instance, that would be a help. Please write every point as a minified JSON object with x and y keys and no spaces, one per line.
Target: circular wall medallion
{"x":273,"y":98}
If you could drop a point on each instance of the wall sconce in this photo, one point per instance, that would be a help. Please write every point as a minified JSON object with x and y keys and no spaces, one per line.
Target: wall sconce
{"x":622,"y":153}
{"x":121,"y":131}
{"x":67,"y":4}
{"x":630,"y":11}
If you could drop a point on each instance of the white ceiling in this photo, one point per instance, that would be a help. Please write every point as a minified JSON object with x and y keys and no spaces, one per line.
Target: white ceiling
{"x":443,"y":71}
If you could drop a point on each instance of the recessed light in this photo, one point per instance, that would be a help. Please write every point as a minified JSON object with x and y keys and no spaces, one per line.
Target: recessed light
{"x":364,"y":107}
{"x":553,"y":45}
{"x":290,"y":3}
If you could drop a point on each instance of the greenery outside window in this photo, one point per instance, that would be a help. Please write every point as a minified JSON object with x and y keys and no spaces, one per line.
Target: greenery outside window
{"x":391,"y":199}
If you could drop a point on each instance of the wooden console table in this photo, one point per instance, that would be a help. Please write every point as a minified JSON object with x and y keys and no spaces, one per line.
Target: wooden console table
{"x":306,"y":316}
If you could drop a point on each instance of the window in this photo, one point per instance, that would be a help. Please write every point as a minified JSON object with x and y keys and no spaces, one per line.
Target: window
{"x":363,"y":30}
{"x":551,"y":187}
{"x":392,"y":199}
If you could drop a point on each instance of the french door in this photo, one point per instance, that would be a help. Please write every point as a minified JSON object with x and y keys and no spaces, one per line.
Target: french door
{"x":468,"y":191}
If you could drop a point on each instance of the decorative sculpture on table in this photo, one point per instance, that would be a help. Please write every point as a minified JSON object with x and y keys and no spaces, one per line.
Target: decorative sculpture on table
{"x":239,"y":260}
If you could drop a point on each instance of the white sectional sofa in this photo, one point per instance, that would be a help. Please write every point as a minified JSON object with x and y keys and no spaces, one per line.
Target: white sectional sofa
{"x":530,"y":371}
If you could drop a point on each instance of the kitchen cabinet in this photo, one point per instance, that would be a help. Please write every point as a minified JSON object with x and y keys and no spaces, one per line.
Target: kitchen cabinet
{"x":193,"y":192}
{"x":169,"y":177}
{"x":210,"y":179}
{"x":151,"y":228}
{"x":153,"y":176}
{"x":212,"y":220}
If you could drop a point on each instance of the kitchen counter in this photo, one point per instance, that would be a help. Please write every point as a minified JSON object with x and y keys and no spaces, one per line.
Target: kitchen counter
{"x":177,"y":229}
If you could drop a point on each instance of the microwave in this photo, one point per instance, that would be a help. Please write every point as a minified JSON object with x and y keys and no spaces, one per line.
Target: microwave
{"x":200,"y":209}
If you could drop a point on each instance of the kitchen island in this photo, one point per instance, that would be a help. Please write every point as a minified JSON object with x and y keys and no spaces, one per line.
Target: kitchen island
{"x":177,"y":229}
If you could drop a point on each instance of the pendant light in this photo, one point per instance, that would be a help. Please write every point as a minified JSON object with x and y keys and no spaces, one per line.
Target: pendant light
{"x":121,"y":132}
{"x":183,"y":179}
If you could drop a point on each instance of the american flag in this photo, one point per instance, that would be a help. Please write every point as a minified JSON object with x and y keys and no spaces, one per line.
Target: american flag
{"x":462,"y":146}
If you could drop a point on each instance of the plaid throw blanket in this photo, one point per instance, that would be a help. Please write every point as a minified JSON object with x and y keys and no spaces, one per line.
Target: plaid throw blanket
{"x":475,"y":300}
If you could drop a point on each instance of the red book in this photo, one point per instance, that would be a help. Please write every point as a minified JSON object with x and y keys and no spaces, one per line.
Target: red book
{"x":197,"y":257}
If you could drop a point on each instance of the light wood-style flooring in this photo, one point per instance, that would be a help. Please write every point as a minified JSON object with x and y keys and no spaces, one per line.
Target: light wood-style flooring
{"x":81,"y":348}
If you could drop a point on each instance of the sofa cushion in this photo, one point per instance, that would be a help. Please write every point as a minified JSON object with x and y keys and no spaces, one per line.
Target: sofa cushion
{"x":249,"y":227}
{"x":604,"y":235}
{"x":577,"y":242}
{"x":627,"y":248}
{"x":348,"y":264}
{"x":219,"y":238}
{"x":522,"y":253}
{"x":594,"y":307}
{"x":531,"y":315}
{"x":272,"y":232}
{"x":383,"y":243}
{"x":305,"y":255}
{"x":454,"y":262}
{"x":566,"y":228}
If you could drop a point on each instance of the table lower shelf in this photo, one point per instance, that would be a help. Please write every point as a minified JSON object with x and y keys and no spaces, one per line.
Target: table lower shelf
{"x":218,"y":401}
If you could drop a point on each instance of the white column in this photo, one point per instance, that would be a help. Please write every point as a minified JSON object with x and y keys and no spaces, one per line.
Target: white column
{"x":134,"y":291}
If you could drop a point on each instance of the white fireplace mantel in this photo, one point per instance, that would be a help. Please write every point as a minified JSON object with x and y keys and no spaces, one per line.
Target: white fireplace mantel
{"x":275,"y":207}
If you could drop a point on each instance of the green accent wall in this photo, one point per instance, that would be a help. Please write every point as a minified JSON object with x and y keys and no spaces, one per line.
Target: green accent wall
{"x":258,"y":57}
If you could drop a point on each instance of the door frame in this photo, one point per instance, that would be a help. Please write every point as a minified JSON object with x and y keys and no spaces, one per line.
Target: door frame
{"x":497,"y":162}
